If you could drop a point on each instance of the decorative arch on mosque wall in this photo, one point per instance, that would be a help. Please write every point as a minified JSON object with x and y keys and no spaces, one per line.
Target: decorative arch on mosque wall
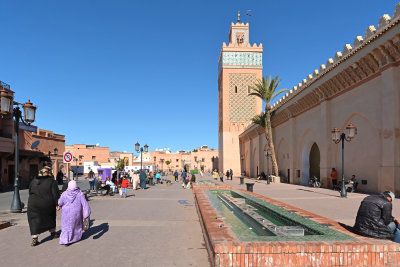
{"x":308,"y":139}
{"x":371,"y":153}
{"x":255,"y":162}
{"x":282,"y":154}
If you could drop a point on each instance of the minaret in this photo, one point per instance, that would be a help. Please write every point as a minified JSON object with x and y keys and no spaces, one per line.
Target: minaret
{"x":239,"y":67}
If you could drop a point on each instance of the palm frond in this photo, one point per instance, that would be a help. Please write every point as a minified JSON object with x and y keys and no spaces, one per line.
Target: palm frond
{"x":279,"y":92}
{"x":260,"y":119}
{"x":265,"y":88}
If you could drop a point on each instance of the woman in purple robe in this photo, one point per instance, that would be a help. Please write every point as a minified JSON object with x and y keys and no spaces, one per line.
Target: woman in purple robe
{"x":74,"y":209}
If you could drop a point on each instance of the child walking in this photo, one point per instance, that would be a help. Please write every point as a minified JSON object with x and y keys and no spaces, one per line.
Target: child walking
{"x":124,"y":185}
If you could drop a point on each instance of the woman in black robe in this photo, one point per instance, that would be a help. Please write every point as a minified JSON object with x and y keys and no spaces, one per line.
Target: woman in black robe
{"x":42,"y":205}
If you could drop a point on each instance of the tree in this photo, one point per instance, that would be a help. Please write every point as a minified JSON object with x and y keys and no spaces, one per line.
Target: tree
{"x":266,"y":90}
{"x":168,"y":162}
{"x":120,"y":165}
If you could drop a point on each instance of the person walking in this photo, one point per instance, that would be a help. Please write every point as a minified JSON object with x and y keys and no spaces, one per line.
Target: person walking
{"x":158,"y":177}
{"x":231,"y":173}
{"x":176,"y":176}
{"x":135,"y":181}
{"x":215,"y":175}
{"x":74,"y":209}
{"x":60,"y":177}
{"x":142,"y":178}
{"x":227,"y":174}
{"x":184,"y":175}
{"x":124,"y":185}
{"x":42,"y":205}
{"x":91,"y":180}
{"x":334,"y":175}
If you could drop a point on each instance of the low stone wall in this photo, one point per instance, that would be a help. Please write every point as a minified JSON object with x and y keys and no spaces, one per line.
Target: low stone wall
{"x":225,"y":248}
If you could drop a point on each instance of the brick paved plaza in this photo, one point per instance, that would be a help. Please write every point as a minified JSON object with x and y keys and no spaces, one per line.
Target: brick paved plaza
{"x":154,"y":227}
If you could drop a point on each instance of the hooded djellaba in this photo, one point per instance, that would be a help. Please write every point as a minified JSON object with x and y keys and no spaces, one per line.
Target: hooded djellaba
{"x":74,"y":209}
{"x":42,"y":205}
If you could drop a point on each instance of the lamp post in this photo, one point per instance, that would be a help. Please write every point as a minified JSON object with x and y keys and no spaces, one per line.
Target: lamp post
{"x":162,"y":165}
{"x":141,"y":149}
{"x":6,"y":108}
{"x":341,"y":137}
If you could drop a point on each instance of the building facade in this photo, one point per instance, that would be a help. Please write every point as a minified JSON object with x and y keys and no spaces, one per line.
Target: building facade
{"x":360,"y":85}
{"x":50,"y":144}
{"x":82,"y":153}
{"x":203,"y":158}
{"x":30,"y":159}
{"x":239,"y":67}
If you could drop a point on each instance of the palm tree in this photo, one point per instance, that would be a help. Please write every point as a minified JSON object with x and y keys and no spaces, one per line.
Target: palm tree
{"x":266,"y":90}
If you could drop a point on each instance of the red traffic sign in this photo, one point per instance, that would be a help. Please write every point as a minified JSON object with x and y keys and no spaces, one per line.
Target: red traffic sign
{"x":67,"y":157}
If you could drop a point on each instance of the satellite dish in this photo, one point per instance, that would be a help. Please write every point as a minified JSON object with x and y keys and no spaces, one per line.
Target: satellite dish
{"x":35,"y":144}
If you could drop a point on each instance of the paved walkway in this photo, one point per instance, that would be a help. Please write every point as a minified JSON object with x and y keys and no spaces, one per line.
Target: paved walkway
{"x":321,"y":201}
{"x":156,"y":227}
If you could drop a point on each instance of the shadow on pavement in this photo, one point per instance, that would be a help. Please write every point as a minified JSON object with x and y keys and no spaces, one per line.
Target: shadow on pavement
{"x":311,"y":191}
{"x":347,"y":227}
{"x":96,"y":231}
{"x":48,"y":238}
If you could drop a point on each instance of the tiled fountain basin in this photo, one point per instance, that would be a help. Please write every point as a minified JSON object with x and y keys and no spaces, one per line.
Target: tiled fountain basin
{"x":210,"y":184}
{"x":230,"y":245}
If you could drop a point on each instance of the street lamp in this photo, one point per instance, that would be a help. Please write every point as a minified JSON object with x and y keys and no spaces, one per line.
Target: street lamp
{"x":162,"y":165}
{"x":351,"y":131}
{"x":141,"y":149}
{"x":6,"y":104}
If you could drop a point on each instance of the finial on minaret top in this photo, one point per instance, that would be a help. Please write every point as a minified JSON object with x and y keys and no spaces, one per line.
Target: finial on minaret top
{"x":239,"y":16}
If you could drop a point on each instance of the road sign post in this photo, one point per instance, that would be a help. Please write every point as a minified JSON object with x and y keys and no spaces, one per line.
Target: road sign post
{"x":67,"y":158}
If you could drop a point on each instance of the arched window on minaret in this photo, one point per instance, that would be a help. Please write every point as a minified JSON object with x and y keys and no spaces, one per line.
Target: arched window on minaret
{"x":235,"y":89}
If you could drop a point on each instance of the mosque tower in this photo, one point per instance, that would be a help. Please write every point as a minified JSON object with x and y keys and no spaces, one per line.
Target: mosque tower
{"x":239,"y":67}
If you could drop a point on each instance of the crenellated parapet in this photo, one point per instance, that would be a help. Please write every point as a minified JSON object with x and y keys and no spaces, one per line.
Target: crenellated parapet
{"x":369,"y":54}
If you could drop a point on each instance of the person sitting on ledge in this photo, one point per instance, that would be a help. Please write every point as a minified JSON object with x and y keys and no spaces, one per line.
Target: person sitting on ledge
{"x":112,"y":185}
{"x":374,"y":218}
{"x":101,"y":185}
{"x":351,"y":185}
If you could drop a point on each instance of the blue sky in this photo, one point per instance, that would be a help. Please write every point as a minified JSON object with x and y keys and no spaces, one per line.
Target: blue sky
{"x":115,"y":72}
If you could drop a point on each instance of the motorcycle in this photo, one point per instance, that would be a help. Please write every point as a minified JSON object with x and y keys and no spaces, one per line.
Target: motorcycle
{"x":314,"y":182}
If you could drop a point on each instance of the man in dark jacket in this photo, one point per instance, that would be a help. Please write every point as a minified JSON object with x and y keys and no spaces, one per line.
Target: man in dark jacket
{"x":142,"y":177}
{"x":60,"y":177}
{"x":374,"y":218}
{"x":176,"y":176}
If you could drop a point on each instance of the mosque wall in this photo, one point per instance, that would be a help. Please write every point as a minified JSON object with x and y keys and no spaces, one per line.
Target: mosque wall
{"x":360,"y":85}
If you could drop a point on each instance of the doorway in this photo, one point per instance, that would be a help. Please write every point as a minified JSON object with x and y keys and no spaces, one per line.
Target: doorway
{"x":11,"y":175}
{"x":314,"y":161}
